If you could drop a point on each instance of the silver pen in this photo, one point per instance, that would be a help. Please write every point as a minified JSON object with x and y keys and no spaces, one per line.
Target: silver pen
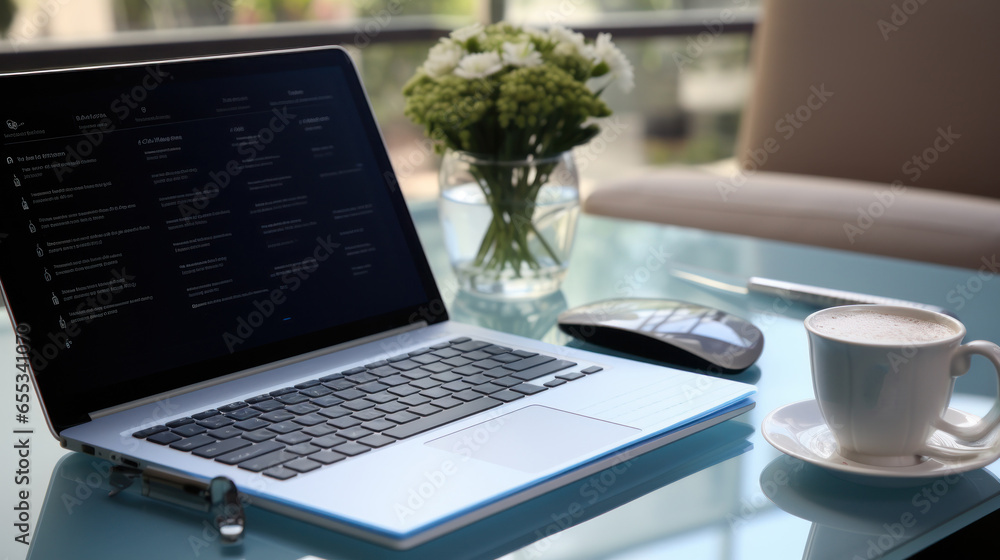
{"x":802,"y":293}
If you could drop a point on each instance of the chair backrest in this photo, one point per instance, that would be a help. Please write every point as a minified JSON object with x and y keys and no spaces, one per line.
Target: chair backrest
{"x":878,"y":90}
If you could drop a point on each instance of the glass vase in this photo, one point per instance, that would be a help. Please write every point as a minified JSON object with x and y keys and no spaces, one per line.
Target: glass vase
{"x":509,"y":225}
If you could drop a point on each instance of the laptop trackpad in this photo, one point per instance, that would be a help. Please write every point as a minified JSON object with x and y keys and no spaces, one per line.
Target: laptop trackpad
{"x":533,"y":438}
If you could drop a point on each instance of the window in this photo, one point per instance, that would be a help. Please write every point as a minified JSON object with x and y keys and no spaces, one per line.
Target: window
{"x":690,"y":57}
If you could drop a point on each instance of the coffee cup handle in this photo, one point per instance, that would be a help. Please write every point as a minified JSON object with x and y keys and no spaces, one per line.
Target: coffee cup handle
{"x":960,"y":363}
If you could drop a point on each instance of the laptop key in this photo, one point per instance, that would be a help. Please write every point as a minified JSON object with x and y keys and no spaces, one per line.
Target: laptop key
{"x":528,"y":388}
{"x":292,"y":398}
{"x":310,"y":420}
{"x":328,"y":441}
{"x":507,"y":395}
{"x":246,"y":453}
{"x":509,"y":381}
{"x":252,"y":424}
{"x":205,"y":414}
{"x":424,"y":359}
{"x":376,"y":440}
{"x":192,"y":443}
{"x":293,"y":438}
{"x":243,"y":414}
{"x":447,"y":402}
{"x":280,"y":473}
{"x":319,"y":430}
{"x":268,"y":405}
{"x":327,"y":401}
{"x":403,"y":416}
{"x":213,"y":450}
{"x":358,"y":404}
{"x":592,"y":369}
{"x":163,"y":438}
{"x":302,"y":465}
{"x":316,"y":392}
{"x":469,"y":345}
{"x":284,"y":427}
{"x":327,"y":457}
{"x":352,"y":448}
{"x":527,"y":363}
{"x":277,"y":416}
{"x":334,"y":412}
{"x":425,"y":383}
{"x":259,"y":435}
{"x":381,"y":398}
{"x":190,"y":430}
{"x":304,"y":448}
{"x":268,"y":460}
{"x":225,"y":433}
{"x":467,"y":395}
{"x":306,"y":384}
{"x":356,"y":432}
{"x":368,"y":415}
{"x":543,"y":369}
{"x":436,"y":393}
{"x":216,"y":422}
{"x":344,"y":423}
{"x":378,"y":425}
{"x":179,"y":422}
{"x":301,"y":408}
{"x":571,"y":376}
{"x":441,"y":418}
{"x":555,"y":383}
{"x":232,"y":406}
{"x":391,"y":407}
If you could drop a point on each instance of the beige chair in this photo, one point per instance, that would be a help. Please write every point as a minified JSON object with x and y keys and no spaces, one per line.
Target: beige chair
{"x":873,"y":126}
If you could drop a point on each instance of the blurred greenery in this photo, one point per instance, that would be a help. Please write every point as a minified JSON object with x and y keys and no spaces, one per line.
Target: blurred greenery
{"x":674,"y":128}
{"x":7,"y":9}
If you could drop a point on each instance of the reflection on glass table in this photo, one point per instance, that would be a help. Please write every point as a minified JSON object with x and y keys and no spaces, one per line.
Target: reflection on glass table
{"x":80,"y":520}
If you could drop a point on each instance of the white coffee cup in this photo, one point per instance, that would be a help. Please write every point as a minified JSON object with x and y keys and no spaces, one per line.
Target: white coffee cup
{"x":883,"y":377}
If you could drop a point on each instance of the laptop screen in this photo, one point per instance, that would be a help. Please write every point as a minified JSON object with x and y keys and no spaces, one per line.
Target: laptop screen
{"x":168,"y":223}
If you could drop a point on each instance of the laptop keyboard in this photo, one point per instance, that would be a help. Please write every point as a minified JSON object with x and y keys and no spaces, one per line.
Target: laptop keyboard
{"x":296,"y":430}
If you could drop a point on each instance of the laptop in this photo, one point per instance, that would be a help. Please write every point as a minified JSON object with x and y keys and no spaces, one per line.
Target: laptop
{"x":214,"y":273}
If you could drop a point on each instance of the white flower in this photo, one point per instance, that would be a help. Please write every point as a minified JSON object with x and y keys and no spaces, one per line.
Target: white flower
{"x":620,"y":68}
{"x":443,"y":58}
{"x":479,"y":65}
{"x":521,"y":54}
{"x":567,"y":42}
{"x":463,"y":34}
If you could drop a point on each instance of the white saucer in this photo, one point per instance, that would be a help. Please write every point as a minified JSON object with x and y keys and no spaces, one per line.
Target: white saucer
{"x":799,"y":430}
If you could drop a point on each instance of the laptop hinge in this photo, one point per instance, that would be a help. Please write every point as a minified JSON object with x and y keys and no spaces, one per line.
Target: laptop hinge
{"x":259,"y":369}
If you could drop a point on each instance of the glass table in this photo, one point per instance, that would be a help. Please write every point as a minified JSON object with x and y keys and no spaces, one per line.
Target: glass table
{"x":724,"y":493}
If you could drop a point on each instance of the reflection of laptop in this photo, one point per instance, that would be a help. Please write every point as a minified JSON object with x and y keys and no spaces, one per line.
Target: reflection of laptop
{"x":217,"y":275}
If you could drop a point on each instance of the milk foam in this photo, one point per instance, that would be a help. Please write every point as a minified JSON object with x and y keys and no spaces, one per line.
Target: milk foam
{"x":877,"y":327}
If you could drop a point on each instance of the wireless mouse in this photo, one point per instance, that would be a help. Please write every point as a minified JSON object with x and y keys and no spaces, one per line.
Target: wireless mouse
{"x":676,"y":332}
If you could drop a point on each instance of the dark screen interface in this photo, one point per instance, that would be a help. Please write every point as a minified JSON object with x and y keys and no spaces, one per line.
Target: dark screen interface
{"x":168,"y":214}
